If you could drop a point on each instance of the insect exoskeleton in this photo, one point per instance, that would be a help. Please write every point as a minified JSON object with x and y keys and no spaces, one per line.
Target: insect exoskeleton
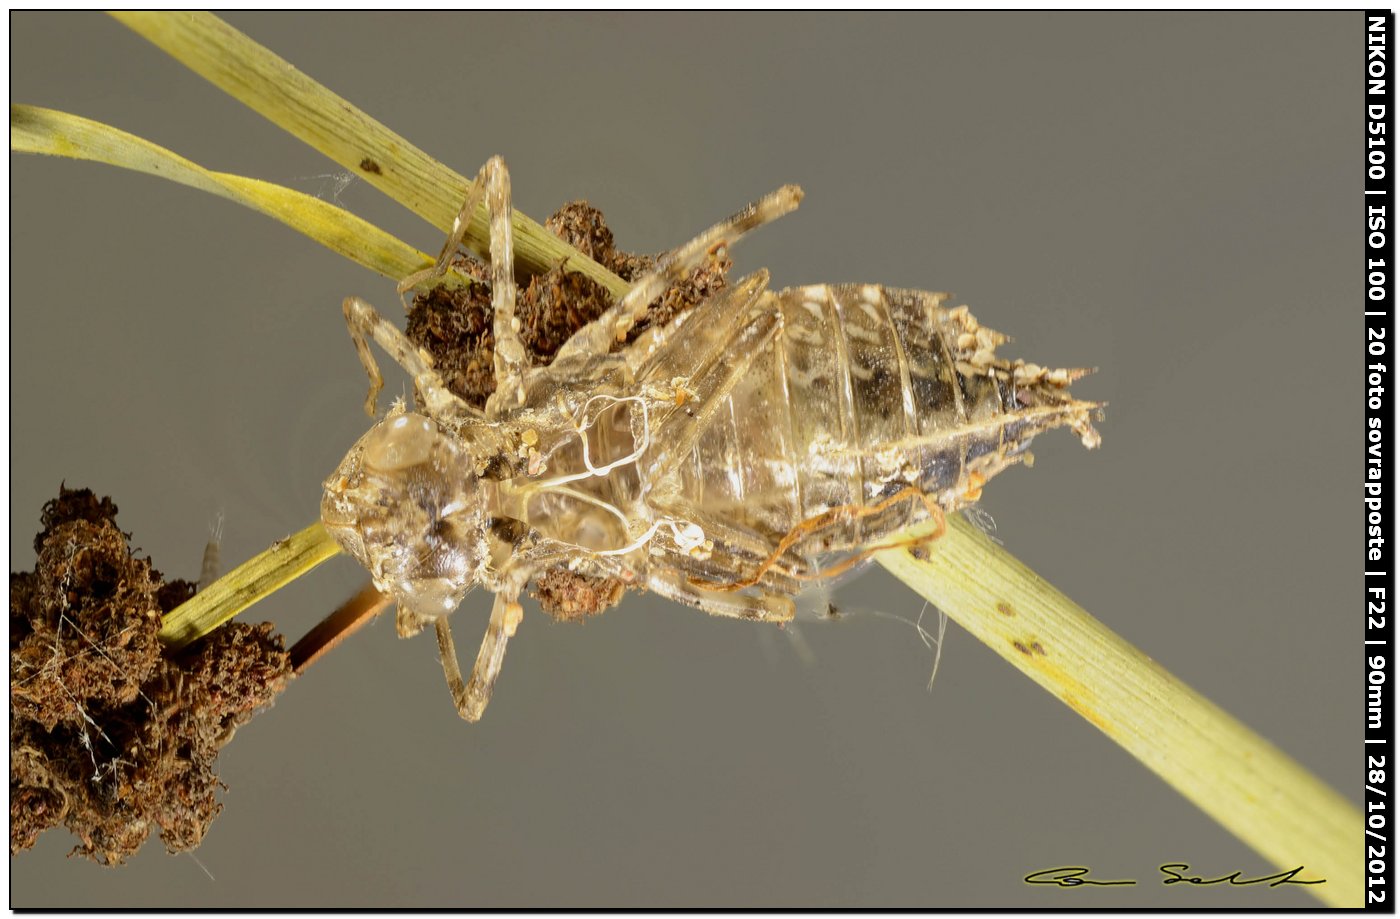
{"x":724,"y":459}
{"x":407,"y":504}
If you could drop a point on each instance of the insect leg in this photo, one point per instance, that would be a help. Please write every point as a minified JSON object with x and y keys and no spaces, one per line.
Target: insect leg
{"x":598,"y":336}
{"x":493,"y":183}
{"x":454,"y":239}
{"x":734,"y":548}
{"x":762,"y":608}
{"x":471,"y":697}
{"x":365,"y":322}
{"x":505,"y":325}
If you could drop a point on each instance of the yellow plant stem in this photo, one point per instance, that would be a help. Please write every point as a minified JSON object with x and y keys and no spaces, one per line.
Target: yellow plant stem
{"x":309,"y":111}
{"x":51,"y":133}
{"x":1237,"y":777}
{"x":261,"y":576}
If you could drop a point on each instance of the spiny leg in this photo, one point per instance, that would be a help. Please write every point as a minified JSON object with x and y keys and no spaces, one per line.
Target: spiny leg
{"x":493,"y":183}
{"x":471,"y":697}
{"x":454,"y":239}
{"x":505,"y":325}
{"x":761,"y":608}
{"x":365,"y":322}
{"x":598,"y":336}
{"x":734,"y":548}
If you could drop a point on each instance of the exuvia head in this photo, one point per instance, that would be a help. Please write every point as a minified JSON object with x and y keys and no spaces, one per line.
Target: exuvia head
{"x":407,"y":504}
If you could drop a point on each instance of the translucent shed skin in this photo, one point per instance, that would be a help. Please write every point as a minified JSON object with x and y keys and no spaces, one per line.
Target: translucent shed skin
{"x":848,"y":396}
{"x":727,"y":460}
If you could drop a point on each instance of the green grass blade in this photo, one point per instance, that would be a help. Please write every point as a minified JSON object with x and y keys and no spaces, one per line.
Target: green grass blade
{"x":1237,"y":777}
{"x":47,"y":132}
{"x":261,"y":576}
{"x":309,"y":111}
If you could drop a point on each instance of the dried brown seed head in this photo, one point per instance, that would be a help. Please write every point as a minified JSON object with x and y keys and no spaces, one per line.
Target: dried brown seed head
{"x":109,"y":736}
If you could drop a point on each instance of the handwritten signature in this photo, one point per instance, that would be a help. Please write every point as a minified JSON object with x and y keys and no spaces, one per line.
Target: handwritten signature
{"x":1172,"y":873}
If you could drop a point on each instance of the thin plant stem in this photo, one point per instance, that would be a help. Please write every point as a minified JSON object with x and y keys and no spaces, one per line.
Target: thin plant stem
{"x":1248,"y":785}
{"x":347,"y":619}
{"x":51,"y":133}
{"x":295,"y":102}
{"x":261,"y":576}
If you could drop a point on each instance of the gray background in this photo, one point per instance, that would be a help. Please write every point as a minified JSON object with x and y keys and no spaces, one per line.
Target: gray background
{"x":1172,"y":198}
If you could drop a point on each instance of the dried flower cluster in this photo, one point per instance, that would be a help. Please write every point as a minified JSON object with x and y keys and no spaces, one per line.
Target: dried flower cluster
{"x":109,"y":736}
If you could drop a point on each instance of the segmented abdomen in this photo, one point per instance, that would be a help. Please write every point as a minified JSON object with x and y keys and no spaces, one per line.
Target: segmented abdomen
{"x":862,"y":393}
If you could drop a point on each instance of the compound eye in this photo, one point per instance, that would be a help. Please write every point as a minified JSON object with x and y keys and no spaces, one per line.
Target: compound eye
{"x":399,"y":442}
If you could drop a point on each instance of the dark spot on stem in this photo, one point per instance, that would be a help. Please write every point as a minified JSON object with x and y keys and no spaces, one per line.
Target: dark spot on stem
{"x":1030,"y":649}
{"x":370,"y":166}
